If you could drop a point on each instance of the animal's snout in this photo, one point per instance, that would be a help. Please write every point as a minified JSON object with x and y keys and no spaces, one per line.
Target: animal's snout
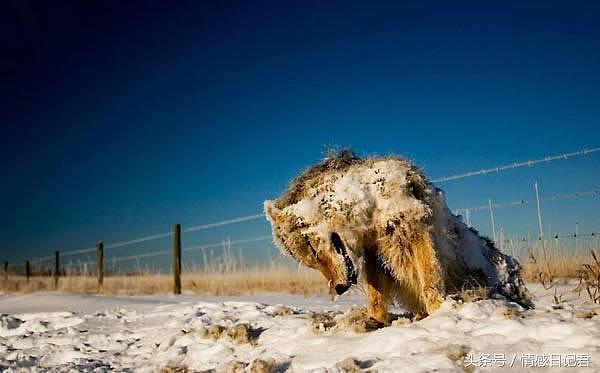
{"x":341,"y":288}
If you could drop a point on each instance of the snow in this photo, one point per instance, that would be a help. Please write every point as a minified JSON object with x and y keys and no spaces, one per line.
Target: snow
{"x":360,"y":189}
{"x":70,"y":332}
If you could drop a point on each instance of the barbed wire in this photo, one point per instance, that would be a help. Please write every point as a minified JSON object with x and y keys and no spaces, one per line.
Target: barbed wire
{"x":153,"y":253}
{"x":224,"y":222}
{"x":232,"y":242}
{"x":190,"y":229}
{"x":138,"y":240}
{"x":514,"y":165}
{"x":522,"y":202}
{"x":154,"y":237}
{"x":240,"y":219}
{"x":553,"y":237}
{"x":192,"y":248}
{"x":63,"y":254}
{"x":77,"y":252}
{"x":138,"y":256}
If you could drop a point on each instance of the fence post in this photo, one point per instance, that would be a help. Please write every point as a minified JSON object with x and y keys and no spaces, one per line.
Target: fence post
{"x":468,"y":217}
{"x":27,"y":270}
{"x":177,"y":259}
{"x":492,"y":219}
{"x":5,"y":271}
{"x":576,"y":233}
{"x":540,"y":226}
{"x":539,"y":210}
{"x":100,"y":264}
{"x":56,"y":269}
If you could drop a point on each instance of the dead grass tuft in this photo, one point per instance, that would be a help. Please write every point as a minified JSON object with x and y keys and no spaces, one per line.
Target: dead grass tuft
{"x":244,"y":333}
{"x":239,"y":333}
{"x":541,"y":272}
{"x":352,"y":365}
{"x":589,"y":279}
{"x":214,"y":332}
{"x":174,"y":369}
{"x":556,"y":266}
{"x":354,"y":319}
{"x":470,"y":295}
{"x":585,"y":314}
{"x":322,"y":322}
{"x":232,"y":367}
{"x":280,"y":310}
{"x":457,"y":354}
{"x":348,"y":365}
{"x":510,"y":312}
{"x":259,"y":365}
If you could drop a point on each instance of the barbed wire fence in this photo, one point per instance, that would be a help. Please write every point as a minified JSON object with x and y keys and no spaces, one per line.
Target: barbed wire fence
{"x":466,"y":212}
{"x":491,"y":207}
{"x":515,"y":165}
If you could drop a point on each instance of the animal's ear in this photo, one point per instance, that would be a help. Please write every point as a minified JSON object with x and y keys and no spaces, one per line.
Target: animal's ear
{"x":417,"y":186}
{"x":271,"y":212}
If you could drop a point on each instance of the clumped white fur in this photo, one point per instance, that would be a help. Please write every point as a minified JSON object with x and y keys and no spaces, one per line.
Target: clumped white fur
{"x":359,"y":198}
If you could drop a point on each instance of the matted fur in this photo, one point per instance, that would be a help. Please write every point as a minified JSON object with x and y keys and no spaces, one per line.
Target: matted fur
{"x":382,"y":213}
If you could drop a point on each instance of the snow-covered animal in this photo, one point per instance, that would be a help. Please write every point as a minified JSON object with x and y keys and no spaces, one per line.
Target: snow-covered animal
{"x":382,"y":214}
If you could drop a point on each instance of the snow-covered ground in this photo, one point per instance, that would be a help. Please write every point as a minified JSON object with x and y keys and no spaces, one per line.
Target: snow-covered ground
{"x":70,"y":332}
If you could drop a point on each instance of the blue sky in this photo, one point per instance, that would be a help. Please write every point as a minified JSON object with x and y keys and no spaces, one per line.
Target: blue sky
{"x":120,"y":120}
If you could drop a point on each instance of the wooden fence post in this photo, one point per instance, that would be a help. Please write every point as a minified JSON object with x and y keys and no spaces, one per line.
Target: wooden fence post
{"x":56,"y":269}
{"x":177,"y":259}
{"x":100,"y":264}
{"x":27,"y":270}
{"x":5,"y":271}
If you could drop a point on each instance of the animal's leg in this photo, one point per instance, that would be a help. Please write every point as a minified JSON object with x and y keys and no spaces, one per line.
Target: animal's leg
{"x":379,"y":284}
{"x":428,"y":269}
{"x":414,"y":265}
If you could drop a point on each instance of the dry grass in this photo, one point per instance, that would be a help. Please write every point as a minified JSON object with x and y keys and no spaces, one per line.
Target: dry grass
{"x":228,"y":275}
{"x":563,"y":266}
{"x":555,"y":266}
{"x":589,"y":279}
{"x":249,"y":281}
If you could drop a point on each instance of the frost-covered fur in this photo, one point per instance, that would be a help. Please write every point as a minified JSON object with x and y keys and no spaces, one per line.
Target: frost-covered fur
{"x":381,"y":213}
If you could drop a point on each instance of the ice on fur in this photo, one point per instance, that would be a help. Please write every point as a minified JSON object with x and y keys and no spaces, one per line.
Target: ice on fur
{"x":383,"y":214}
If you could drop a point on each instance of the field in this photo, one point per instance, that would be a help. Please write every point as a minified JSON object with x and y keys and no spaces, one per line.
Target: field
{"x":230,"y":276}
{"x":279,"y":318}
{"x":277,"y":332}
{"x":274,"y":278}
